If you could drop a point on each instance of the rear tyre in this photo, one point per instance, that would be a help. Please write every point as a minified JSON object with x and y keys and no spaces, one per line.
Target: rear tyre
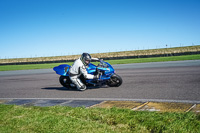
{"x":115,"y":81}
{"x":65,"y":81}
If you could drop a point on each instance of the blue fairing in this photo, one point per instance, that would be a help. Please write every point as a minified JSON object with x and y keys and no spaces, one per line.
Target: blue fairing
{"x":106,"y":68}
{"x":91,"y":68}
{"x":62,"y":69}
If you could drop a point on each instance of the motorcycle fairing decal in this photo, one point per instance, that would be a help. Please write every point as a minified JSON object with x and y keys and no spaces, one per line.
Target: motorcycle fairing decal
{"x":62,"y":69}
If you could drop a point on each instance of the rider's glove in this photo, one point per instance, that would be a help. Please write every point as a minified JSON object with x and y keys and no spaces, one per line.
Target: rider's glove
{"x":96,"y":76}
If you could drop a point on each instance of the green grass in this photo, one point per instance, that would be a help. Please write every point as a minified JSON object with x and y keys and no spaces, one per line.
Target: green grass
{"x":156,"y":59}
{"x":121,"y":61}
{"x":78,"y":120}
{"x":30,"y":66}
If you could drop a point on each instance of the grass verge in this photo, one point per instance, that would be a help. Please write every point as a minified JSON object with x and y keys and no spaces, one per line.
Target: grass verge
{"x":74,"y":120}
{"x":121,"y":61}
{"x":156,"y":59}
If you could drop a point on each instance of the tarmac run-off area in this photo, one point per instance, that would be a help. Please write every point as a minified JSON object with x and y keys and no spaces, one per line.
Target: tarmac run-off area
{"x":164,"y":86}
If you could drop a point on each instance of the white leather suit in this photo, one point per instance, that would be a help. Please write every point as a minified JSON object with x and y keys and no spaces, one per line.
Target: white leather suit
{"x":76,"y":70}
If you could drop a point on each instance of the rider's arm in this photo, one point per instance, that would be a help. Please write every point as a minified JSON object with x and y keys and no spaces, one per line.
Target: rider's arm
{"x":95,"y":59}
{"x":85,"y":73}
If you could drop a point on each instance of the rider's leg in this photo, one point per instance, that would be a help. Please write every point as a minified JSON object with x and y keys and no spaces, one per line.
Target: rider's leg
{"x":78,"y":83}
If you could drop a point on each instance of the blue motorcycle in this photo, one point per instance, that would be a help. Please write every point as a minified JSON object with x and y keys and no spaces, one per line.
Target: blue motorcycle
{"x":104,"y":69}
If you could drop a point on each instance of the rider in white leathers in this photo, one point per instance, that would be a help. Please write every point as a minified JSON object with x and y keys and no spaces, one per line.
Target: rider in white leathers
{"x":79,"y":68}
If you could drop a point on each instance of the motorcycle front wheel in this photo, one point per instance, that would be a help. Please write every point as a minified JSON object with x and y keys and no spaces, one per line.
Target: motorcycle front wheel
{"x":115,"y":81}
{"x":65,"y":81}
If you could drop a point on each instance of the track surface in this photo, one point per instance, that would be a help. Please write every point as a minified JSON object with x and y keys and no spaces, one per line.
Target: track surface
{"x":163,"y":81}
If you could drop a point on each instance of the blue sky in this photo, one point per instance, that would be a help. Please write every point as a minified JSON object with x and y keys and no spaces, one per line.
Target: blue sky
{"x":35,"y":28}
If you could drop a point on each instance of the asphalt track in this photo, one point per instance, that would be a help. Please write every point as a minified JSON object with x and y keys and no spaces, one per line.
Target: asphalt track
{"x":174,"y":81}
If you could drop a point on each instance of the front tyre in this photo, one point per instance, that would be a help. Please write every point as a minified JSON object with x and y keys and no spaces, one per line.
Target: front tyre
{"x":65,"y":81}
{"x":115,"y":81}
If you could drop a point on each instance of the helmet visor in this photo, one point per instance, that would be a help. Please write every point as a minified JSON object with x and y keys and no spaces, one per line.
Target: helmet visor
{"x":87,"y":62}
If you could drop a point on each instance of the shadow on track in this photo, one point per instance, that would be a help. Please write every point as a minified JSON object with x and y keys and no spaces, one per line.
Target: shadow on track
{"x":59,"y":88}
{"x":71,"y":89}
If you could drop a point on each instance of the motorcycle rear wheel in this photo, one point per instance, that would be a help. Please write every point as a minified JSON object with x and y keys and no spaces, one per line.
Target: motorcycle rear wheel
{"x":115,"y":81}
{"x":65,"y":81}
